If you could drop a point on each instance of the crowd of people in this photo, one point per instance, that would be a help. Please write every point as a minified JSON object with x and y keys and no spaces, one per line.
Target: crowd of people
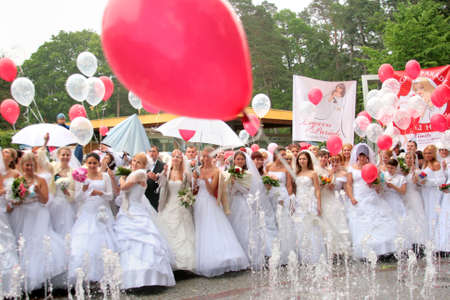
{"x":211,"y":211}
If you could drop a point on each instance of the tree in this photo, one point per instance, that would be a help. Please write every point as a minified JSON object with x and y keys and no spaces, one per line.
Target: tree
{"x":418,"y":31}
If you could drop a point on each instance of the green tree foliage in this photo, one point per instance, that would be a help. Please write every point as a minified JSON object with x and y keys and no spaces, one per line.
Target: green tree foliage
{"x":418,"y":31}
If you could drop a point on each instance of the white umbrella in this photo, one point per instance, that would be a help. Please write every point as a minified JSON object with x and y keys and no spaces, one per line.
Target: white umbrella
{"x":33,"y":135}
{"x":205,"y":131}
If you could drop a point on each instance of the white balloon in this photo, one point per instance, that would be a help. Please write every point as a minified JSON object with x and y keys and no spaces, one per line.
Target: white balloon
{"x":373,"y":106}
{"x":360,"y":125}
{"x":261,"y":105}
{"x":388,"y":100}
{"x":402,"y":119}
{"x":244,"y":136}
{"x":386,"y":114}
{"x":445,"y":139}
{"x":373,"y":132}
{"x":373,"y":93}
{"x":82,"y":129}
{"x":391,"y":85}
{"x":416,"y":106}
{"x":22,"y":90}
{"x":96,"y":91}
{"x":77,"y":87}
{"x":87,"y":63}
{"x":392,"y":131}
{"x":135,"y":101}
{"x":305,"y":110}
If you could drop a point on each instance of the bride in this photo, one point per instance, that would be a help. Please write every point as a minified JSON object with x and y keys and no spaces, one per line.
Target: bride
{"x":144,"y":255}
{"x":176,"y":221}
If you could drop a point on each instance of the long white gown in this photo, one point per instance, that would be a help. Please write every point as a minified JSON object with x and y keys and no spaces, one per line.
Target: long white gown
{"x":93,"y":230}
{"x":43,"y":255}
{"x":372,"y":225}
{"x":286,"y":234}
{"x":432,"y":197}
{"x":442,"y":239}
{"x":177,"y":225}
{"x":8,"y":253}
{"x":217,"y":247}
{"x":309,"y":226}
{"x":62,"y":208}
{"x":415,"y":213}
{"x":337,"y":234}
{"x":144,"y":255}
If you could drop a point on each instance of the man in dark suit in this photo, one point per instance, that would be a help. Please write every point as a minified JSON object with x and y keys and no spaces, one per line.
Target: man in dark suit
{"x":155,"y":168}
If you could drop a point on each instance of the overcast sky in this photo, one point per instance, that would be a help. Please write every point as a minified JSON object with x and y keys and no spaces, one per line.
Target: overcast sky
{"x":26,"y":24}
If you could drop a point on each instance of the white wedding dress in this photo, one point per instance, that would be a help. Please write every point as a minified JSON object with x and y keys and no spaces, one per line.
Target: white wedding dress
{"x":93,"y":230}
{"x":177,"y":225}
{"x":372,"y":224}
{"x":442,"y":239}
{"x":8,"y":252}
{"x":308,"y":225}
{"x":217,"y":247}
{"x":415,"y":213}
{"x":145,"y":257}
{"x":62,"y":208}
{"x":432,"y":197}
{"x":43,"y":255}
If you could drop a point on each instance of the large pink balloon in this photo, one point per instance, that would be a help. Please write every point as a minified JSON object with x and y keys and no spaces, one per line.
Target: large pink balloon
{"x":109,"y":87}
{"x":8,"y":69}
{"x":10,"y":111}
{"x":315,"y":96}
{"x":385,"y":71}
{"x":186,"y":57}
{"x":440,"y":95}
{"x":103,"y":130}
{"x":254,"y":147}
{"x":251,"y":124}
{"x":438,"y":123}
{"x":384,"y":142}
{"x":369,"y":173}
{"x":412,"y":69}
{"x":77,"y":110}
{"x":334,"y":144}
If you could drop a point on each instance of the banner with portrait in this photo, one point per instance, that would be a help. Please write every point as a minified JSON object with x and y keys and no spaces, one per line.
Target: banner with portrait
{"x":420,"y":128}
{"x":333,"y":115}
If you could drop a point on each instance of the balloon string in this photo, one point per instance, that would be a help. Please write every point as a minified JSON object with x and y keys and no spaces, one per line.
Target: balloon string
{"x":37,"y":109}
{"x":34,"y":114}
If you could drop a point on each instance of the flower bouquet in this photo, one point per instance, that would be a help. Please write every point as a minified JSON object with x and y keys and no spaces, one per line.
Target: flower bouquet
{"x":80,"y":174}
{"x":19,"y":190}
{"x":422,"y":175}
{"x":324,"y":180}
{"x":271,"y":180}
{"x":62,"y":182}
{"x":402,"y":164}
{"x":444,"y":187}
{"x":236,"y":172}
{"x":121,"y":171}
{"x":186,"y":197}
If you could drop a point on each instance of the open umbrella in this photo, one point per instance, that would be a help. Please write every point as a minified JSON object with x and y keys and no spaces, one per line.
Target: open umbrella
{"x":129,"y":136}
{"x":205,"y":131}
{"x":33,"y":135}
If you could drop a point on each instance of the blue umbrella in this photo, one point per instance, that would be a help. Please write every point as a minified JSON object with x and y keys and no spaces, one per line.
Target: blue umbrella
{"x":129,"y":136}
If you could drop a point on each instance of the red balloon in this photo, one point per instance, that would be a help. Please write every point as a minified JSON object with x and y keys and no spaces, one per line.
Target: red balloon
{"x":186,"y":134}
{"x":440,"y":95}
{"x":384,"y":142}
{"x":315,"y":96}
{"x":438,"y":123}
{"x":10,"y":111}
{"x":8,"y":69}
{"x":254,"y":147}
{"x":412,"y":68}
{"x":109,"y":87}
{"x":405,"y":86}
{"x":365,"y":114}
{"x":251,"y":124}
{"x":334,"y":144}
{"x":103,"y":130}
{"x":187,"y":57}
{"x":385,"y":71}
{"x":369,"y":173}
{"x":149,"y":108}
{"x":77,"y":110}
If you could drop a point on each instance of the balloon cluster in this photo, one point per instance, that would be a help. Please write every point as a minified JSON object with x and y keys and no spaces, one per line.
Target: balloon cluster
{"x":85,"y":86}
{"x":393,"y":113}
